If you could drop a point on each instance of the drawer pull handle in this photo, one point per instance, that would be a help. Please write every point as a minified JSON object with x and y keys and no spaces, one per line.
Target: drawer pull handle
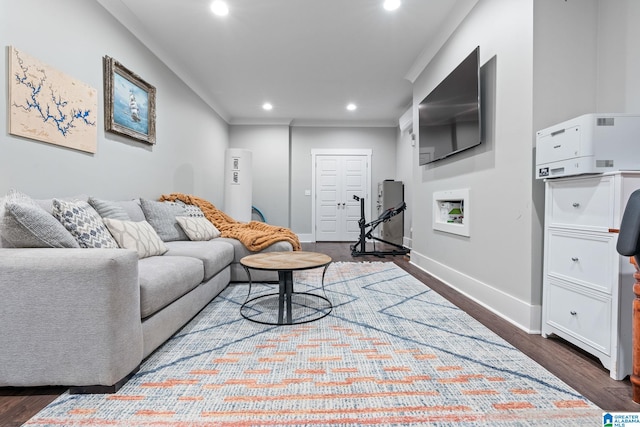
{"x":573,"y":313}
{"x":576,"y":205}
{"x":575,"y":259}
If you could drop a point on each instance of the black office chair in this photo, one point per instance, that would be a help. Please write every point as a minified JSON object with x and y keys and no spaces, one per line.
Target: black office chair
{"x":629,"y":238}
{"x":629,"y":245}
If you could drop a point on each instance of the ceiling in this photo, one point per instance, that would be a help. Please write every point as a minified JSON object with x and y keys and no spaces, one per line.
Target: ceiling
{"x":308,"y":58}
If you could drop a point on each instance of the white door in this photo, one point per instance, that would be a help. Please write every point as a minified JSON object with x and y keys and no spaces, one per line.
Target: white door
{"x":337,"y":179}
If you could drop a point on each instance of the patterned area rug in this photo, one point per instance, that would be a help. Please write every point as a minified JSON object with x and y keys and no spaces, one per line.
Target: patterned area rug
{"x":392,"y":352}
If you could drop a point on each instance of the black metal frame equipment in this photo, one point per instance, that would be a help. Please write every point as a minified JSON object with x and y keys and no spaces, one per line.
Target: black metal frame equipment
{"x":360,"y":247}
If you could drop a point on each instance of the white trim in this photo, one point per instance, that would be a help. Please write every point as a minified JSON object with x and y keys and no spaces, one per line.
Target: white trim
{"x":341,"y":152}
{"x":315,"y":152}
{"x":517,"y":312}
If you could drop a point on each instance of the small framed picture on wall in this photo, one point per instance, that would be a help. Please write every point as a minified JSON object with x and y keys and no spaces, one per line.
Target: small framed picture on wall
{"x":130,"y":103}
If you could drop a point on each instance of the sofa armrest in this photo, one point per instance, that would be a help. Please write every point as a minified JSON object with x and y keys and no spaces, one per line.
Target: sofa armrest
{"x":68,"y":316}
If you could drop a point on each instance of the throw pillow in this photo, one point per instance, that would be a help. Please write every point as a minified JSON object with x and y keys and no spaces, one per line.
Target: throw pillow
{"x":84,"y":224}
{"x":139,"y":236}
{"x":27,"y":225}
{"x":198,"y":228}
{"x":162,"y":217}
{"x":109,"y":209}
{"x":191,"y":210}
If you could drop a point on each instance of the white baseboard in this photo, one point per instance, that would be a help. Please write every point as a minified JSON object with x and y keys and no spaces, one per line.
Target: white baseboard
{"x":406,"y":242}
{"x":306,"y":238}
{"x":520,"y":313}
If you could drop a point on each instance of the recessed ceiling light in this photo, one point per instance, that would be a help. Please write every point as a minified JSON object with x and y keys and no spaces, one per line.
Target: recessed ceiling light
{"x":220,"y":8}
{"x":267,"y":106}
{"x":351,"y":107}
{"x":391,"y":4}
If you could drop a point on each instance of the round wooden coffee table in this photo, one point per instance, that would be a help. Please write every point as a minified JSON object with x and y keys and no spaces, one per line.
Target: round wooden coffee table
{"x":285,"y":263}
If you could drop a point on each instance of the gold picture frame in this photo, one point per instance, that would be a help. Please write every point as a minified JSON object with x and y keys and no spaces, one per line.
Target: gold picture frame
{"x":129,"y":103}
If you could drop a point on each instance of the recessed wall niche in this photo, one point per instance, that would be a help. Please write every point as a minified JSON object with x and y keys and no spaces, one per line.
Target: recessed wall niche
{"x":451,"y":211}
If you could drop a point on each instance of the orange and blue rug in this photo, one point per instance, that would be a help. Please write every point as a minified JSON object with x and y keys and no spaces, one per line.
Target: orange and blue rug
{"x":392,"y":352}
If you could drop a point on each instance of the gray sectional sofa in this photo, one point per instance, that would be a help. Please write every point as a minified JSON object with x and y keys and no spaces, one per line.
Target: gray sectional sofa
{"x":87,"y":317}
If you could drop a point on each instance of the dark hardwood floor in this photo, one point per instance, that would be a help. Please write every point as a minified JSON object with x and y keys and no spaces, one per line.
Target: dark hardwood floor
{"x":581,"y":371}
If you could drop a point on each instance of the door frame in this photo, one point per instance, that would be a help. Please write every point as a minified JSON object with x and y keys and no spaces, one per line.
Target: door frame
{"x":315,"y":153}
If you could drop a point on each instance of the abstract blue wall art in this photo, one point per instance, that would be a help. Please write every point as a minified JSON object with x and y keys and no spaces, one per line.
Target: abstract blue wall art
{"x":50,"y":106}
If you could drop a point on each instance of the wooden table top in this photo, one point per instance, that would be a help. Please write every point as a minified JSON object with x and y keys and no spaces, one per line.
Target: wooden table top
{"x":284,"y":261}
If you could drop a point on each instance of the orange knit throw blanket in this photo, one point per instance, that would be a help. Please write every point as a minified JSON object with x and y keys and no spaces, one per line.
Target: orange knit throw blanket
{"x":254,"y":235}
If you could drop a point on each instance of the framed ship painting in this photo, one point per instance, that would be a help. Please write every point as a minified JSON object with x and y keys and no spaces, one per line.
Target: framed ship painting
{"x":130,"y":103}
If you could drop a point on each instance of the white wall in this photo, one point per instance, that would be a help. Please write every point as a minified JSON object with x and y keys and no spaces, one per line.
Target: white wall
{"x":565,"y":60}
{"x":618,"y":56}
{"x":404,"y":173}
{"x":73,"y":36}
{"x":494,"y":264}
{"x":382,"y":142}
{"x":269,"y":146}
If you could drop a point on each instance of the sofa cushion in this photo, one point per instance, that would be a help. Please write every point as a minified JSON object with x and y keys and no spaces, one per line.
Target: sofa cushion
{"x":109,"y":209}
{"x":139,"y":236}
{"x":215,"y":254}
{"x":164,"y":279}
{"x":25,"y":224}
{"x":162,"y":217}
{"x":241,"y":251}
{"x":198,"y":228}
{"x":84,"y":224}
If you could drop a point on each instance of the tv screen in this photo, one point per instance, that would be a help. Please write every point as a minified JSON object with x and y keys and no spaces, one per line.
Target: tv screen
{"x":449,"y":117}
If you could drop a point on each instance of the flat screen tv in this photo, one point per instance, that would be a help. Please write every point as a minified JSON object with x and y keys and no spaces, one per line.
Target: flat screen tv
{"x":449,"y":117}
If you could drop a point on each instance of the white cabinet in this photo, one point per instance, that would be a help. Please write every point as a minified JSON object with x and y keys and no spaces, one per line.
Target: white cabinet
{"x":588,"y":288}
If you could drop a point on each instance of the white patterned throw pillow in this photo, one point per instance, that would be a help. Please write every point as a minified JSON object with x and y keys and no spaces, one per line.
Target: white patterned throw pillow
{"x":198,"y":228}
{"x":136,"y":235}
{"x":84,"y":224}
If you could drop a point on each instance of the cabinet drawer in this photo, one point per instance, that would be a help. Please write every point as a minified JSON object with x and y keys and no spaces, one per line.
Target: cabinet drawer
{"x":585,"y":317}
{"x":585,"y":258}
{"x":581,"y":202}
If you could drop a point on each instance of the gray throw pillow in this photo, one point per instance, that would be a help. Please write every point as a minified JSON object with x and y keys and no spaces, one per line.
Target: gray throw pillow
{"x":109,"y":209}
{"x":84,"y":224}
{"x":133,"y":209}
{"x":27,"y":225}
{"x":162,"y":217}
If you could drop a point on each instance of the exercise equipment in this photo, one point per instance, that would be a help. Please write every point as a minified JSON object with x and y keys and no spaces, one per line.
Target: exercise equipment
{"x":360,"y":247}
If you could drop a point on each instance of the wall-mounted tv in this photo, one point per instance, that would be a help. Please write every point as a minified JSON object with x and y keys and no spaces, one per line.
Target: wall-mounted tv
{"x":449,"y":117}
